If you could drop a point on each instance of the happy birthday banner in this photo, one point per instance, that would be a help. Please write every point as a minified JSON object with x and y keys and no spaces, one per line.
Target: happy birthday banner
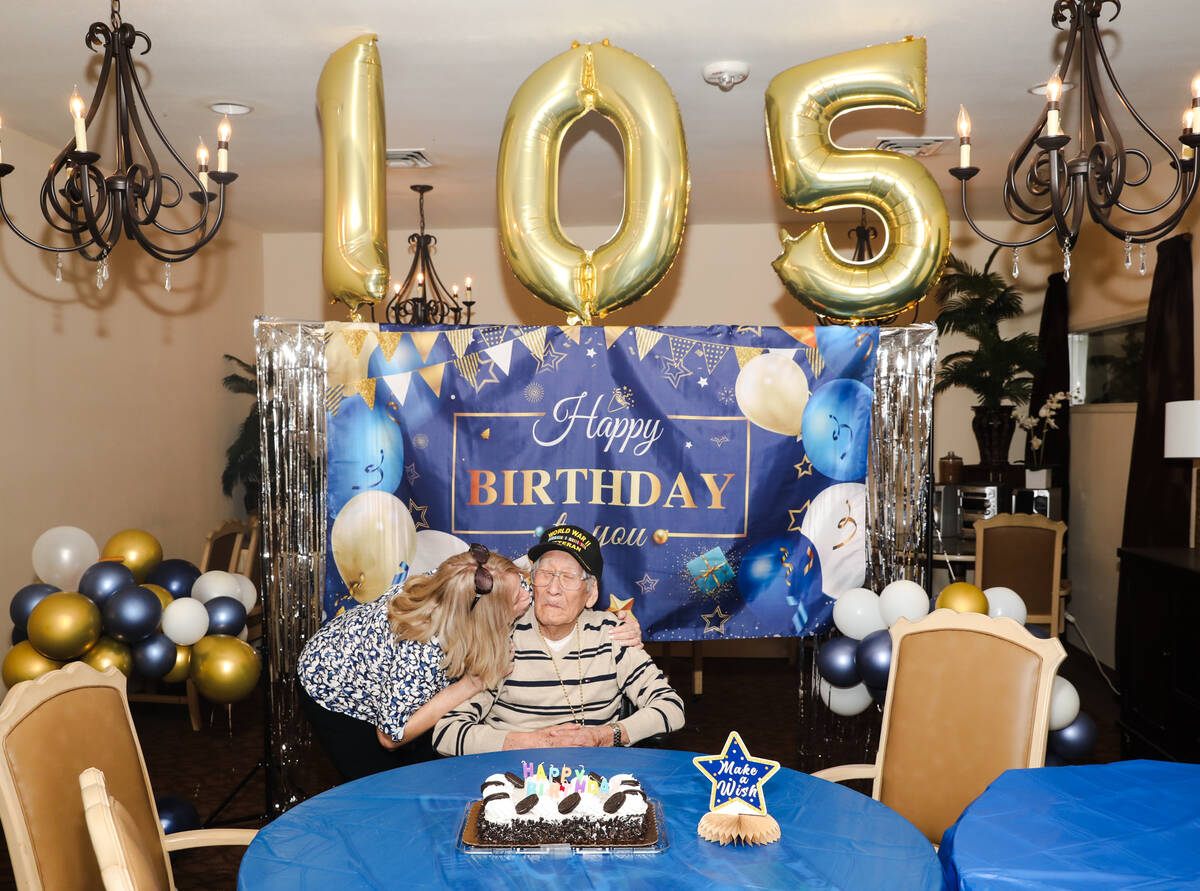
{"x":722,"y":468}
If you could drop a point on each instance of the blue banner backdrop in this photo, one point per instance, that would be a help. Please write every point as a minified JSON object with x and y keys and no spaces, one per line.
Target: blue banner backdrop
{"x":721,"y":467}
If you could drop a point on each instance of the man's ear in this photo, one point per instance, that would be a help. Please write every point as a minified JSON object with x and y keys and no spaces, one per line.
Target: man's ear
{"x":593,"y":593}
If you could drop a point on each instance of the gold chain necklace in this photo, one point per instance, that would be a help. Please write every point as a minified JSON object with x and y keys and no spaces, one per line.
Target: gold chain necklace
{"x":578,"y":663}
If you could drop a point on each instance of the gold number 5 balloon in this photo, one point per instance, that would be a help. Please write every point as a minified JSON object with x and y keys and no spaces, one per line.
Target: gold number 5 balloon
{"x":813,"y":174}
{"x":350,"y":102}
{"x":629,"y":92}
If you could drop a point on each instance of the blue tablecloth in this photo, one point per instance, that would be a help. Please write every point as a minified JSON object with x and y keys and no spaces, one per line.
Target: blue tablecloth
{"x":1130,"y":824}
{"x":399,"y":830}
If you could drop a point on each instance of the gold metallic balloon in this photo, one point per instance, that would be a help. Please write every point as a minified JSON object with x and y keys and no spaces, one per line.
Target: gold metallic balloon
{"x":24,"y":663}
{"x":812,"y":174}
{"x":163,"y":595}
{"x":963,"y":597}
{"x":350,"y":104}
{"x":138,"y":550}
{"x":64,"y":625}
{"x":589,"y":284}
{"x":183,"y":663}
{"x":224,"y":669}
{"x":109,"y":653}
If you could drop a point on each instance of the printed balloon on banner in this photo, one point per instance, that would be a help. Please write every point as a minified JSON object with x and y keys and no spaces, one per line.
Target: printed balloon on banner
{"x":836,"y":524}
{"x":371,"y":459}
{"x":373,"y":539}
{"x":837,"y":429}
{"x":780,"y":582}
{"x":845,"y":351}
{"x":585,"y":283}
{"x":772,"y":391}
{"x":433,"y":547}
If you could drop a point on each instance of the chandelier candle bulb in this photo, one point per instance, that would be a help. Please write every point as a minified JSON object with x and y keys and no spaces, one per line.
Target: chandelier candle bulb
{"x":202,"y":164}
{"x":1053,"y":116}
{"x":964,"y":137}
{"x":468,"y":287}
{"x":1,"y":143}
{"x":77,"y":110}
{"x":1189,"y":118}
{"x":224,"y":131}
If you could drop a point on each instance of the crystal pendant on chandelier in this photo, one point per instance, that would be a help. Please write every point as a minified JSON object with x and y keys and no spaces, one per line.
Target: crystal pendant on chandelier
{"x":1016,"y":262}
{"x":1128,"y":251}
{"x":167,"y":277}
{"x":1142,"y":258}
{"x":1066,"y":262}
{"x":58,"y":268}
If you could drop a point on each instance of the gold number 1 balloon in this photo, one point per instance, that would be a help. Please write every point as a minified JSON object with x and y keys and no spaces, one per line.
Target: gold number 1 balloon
{"x":629,"y":92}
{"x":350,"y":103}
{"x":813,"y":173}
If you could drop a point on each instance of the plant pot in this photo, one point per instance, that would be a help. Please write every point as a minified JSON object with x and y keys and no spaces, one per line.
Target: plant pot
{"x":993,"y":428}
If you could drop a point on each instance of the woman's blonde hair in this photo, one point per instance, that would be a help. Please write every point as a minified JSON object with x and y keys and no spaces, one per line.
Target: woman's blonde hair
{"x":475,"y":641}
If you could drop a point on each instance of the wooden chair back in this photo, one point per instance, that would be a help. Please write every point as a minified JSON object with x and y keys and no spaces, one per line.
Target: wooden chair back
{"x":1023,"y":552}
{"x":968,"y":698}
{"x":223,"y":547}
{"x":51,"y":730}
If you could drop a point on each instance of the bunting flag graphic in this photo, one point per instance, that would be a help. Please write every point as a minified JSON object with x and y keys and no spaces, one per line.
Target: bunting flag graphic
{"x":388,"y":341}
{"x":646,"y":338}
{"x":432,"y":375}
{"x":424,"y":341}
{"x":501,"y":354}
{"x":460,"y":339}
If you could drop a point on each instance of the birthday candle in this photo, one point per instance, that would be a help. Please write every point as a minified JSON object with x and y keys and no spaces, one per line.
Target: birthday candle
{"x":604,"y":787}
{"x":527,"y":768}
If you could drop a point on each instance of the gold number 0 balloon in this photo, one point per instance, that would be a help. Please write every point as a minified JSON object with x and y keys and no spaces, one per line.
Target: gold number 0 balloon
{"x":350,"y":102}
{"x":630,"y":93}
{"x":813,"y":174}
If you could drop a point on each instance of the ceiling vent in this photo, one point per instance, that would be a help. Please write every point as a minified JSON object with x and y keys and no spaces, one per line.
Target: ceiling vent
{"x":913,"y":146}
{"x":408,"y":158}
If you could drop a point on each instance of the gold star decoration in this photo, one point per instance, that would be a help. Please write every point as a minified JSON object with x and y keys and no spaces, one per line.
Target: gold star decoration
{"x":418,"y":511}
{"x":616,"y":604}
{"x":410,"y":473}
{"x":550,"y":359}
{"x":715,"y":621}
{"x":804,"y":468}
{"x":646,"y":584}
{"x":488,"y":366}
{"x":796,"y":516}
{"x":674,"y":370}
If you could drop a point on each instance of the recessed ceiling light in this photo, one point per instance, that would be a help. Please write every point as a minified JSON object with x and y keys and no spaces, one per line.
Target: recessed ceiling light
{"x":1040,"y":89}
{"x":234,"y":108}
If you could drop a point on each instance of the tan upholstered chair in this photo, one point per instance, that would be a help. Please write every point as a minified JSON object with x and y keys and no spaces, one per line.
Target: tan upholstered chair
{"x":1024,"y":552}
{"x":968,"y":698}
{"x":51,"y":730}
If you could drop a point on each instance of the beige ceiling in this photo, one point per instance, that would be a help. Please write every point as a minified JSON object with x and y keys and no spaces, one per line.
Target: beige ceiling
{"x":451,"y":68}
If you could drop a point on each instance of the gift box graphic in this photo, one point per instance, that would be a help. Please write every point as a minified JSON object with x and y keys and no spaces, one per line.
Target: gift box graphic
{"x":710,"y":570}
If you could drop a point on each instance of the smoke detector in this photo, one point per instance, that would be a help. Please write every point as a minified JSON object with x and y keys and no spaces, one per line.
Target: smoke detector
{"x":727,"y":74}
{"x":913,"y":146}
{"x":414,"y":157}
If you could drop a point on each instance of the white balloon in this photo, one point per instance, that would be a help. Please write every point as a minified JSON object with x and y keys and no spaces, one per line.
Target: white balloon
{"x":244,"y":634}
{"x":185,"y":621}
{"x":1006,"y":602}
{"x":1064,"y":703}
{"x":433,"y":547}
{"x":836,"y":524}
{"x":62,"y":554}
{"x":247,"y":593}
{"x":856,"y":613}
{"x":844,"y":700}
{"x":903,"y":598}
{"x":771,"y":391}
{"x":216,"y":583}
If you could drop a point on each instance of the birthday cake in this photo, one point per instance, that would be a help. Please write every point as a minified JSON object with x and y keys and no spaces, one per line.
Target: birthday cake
{"x":561,"y":805}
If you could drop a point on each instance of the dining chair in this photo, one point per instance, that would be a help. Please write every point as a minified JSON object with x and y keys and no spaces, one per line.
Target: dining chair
{"x":1024,"y":552}
{"x":968,"y":697}
{"x":51,"y":730}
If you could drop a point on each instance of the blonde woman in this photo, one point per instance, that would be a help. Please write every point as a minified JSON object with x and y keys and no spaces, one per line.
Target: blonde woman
{"x":377,"y":677}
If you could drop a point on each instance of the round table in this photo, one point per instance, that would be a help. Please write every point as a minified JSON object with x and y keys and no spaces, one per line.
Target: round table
{"x":400,"y":829}
{"x":1122,"y":825}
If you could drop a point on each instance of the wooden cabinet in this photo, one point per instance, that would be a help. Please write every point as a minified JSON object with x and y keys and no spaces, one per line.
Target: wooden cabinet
{"x":1158,"y":652}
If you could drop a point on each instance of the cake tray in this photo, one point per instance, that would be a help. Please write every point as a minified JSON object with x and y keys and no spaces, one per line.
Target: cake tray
{"x":653,"y":842}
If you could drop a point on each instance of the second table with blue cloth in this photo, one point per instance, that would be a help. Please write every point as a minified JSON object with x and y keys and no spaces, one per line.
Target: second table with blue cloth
{"x":400,"y":829}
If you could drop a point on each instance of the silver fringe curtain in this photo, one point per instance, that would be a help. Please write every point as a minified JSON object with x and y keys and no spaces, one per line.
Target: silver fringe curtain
{"x":897,"y":525}
{"x":291,"y":399}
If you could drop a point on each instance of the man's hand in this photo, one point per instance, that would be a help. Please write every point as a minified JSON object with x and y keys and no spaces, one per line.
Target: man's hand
{"x":558,"y":736}
{"x":628,"y":632}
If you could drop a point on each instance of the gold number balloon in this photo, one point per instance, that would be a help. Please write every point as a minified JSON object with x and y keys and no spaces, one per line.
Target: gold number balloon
{"x":813,"y":173}
{"x":350,"y":103}
{"x":629,"y":92}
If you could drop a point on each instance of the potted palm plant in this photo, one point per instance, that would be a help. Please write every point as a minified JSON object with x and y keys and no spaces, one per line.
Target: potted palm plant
{"x":242,"y":458}
{"x":999,"y":370}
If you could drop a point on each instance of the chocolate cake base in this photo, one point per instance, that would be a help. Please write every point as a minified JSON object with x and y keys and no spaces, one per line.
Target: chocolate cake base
{"x":626,"y":831}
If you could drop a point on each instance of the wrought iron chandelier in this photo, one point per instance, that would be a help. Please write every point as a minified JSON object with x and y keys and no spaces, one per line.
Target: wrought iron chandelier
{"x":1053,"y":175}
{"x":422,"y":298}
{"x":94,"y":209}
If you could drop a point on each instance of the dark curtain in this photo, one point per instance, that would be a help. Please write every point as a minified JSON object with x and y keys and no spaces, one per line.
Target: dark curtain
{"x":1055,"y":376}
{"x":1158,"y":496}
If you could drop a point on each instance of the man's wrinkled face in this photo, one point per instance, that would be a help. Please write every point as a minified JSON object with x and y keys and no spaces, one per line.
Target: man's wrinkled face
{"x":555,"y":604}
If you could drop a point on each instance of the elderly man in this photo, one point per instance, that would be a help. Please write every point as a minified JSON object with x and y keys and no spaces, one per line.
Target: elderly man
{"x":568,"y":678}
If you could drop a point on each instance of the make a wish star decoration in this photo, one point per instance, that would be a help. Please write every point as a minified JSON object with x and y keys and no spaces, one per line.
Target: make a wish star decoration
{"x":737,"y":809}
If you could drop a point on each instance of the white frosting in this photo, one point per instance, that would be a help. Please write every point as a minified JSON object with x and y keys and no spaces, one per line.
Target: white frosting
{"x":591,"y":805}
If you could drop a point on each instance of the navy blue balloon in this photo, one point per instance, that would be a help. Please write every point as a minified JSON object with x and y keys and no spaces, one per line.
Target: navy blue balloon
{"x":1038,"y":631}
{"x":25,"y":600}
{"x":175,"y":814}
{"x":131,"y":614}
{"x":175,"y":576}
{"x":102,"y":580}
{"x":845,"y":351}
{"x":154,"y":656}
{"x":370,"y":459}
{"x":18,"y":635}
{"x":879,"y":694}
{"x":836,"y":663}
{"x":837,"y":429}
{"x":226,"y":615}
{"x":1075,"y":741}
{"x":874,"y":658}
{"x":1053,"y":760}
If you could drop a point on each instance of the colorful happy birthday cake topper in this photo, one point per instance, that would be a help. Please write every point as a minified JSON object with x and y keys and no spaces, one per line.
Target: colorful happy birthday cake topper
{"x":737,"y":808}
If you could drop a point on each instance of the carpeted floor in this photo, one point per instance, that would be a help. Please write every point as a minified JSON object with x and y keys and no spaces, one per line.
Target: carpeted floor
{"x":756,"y":697}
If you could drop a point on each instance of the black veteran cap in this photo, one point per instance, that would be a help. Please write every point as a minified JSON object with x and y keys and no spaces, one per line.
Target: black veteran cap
{"x":579,"y":543}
